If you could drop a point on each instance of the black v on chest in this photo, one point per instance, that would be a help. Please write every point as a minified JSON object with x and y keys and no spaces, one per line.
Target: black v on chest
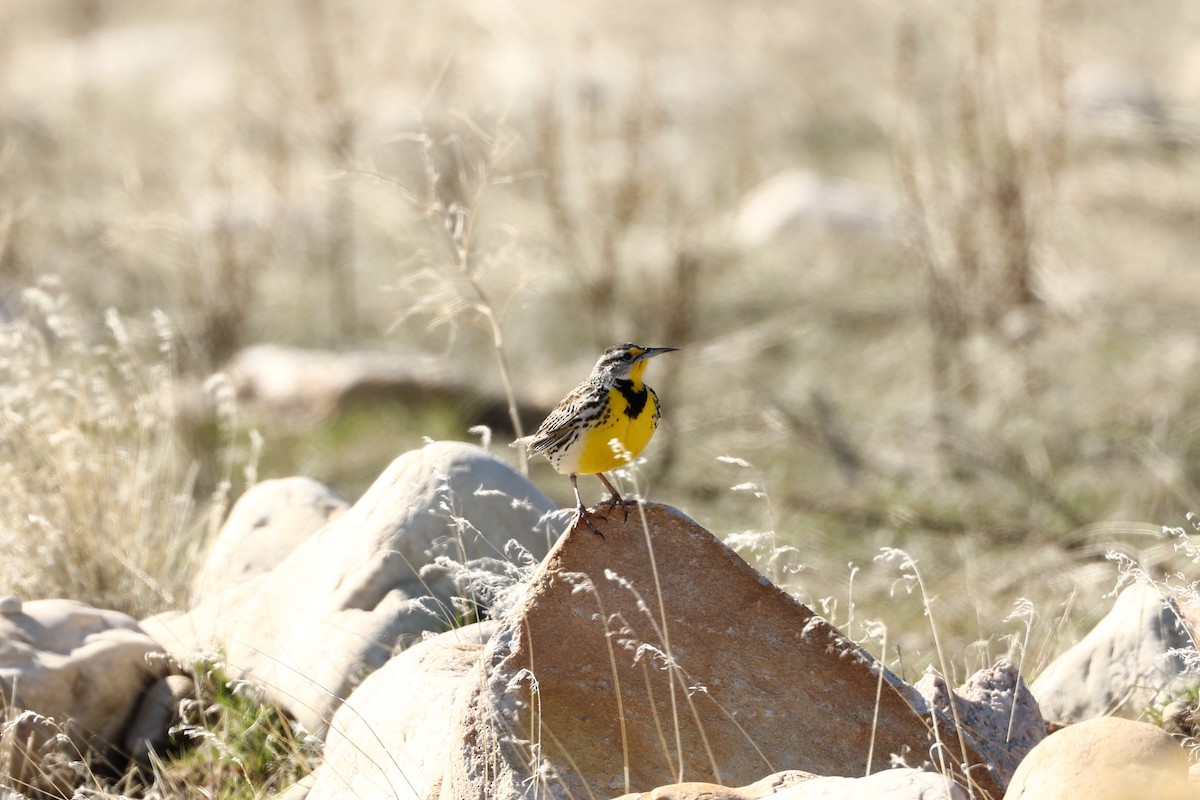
{"x":635,"y":397}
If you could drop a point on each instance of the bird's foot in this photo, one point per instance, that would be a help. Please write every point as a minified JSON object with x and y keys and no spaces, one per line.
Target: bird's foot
{"x":616,"y":500}
{"x":582,"y":513}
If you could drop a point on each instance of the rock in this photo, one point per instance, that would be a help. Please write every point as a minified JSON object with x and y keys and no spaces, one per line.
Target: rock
{"x":81,"y":671}
{"x":311,"y":629}
{"x":1103,"y":759}
{"x":1119,"y":666}
{"x":767,"y":787}
{"x":1181,"y":718}
{"x":150,"y":728}
{"x":266,"y":524}
{"x":706,"y":672}
{"x":1100,"y":87}
{"x":298,"y":790}
{"x":295,"y":380}
{"x":692,"y":791}
{"x":891,"y":784}
{"x":996,"y":710}
{"x":392,"y":737}
{"x":796,"y":197}
{"x":1112,"y":103}
{"x":777,"y":782}
{"x":201,"y":631}
{"x":312,"y":384}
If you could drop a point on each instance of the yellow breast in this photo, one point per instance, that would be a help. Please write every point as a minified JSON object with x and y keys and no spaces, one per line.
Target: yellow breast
{"x":594,"y":451}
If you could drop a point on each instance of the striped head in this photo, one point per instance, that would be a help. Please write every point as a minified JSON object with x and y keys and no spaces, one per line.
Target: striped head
{"x":626,"y":362}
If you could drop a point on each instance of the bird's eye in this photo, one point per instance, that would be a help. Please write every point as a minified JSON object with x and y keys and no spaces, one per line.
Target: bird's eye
{"x":627,"y":356}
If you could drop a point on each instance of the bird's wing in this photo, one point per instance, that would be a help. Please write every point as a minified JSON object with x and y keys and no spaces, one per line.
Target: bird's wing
{"x":575,"y":409}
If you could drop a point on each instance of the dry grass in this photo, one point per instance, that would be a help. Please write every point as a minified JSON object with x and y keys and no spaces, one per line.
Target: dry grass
{"x":97,"y":503}
{"x":1005,"y":385}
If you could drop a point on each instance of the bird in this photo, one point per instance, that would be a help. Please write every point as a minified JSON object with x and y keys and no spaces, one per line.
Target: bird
{"x":603,"y":423}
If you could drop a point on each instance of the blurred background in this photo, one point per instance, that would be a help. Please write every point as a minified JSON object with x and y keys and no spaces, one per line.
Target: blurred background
{"x":931,"y":266}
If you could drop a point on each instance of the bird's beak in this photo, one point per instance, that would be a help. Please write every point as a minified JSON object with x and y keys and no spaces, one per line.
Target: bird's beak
{"x":651,"y":352}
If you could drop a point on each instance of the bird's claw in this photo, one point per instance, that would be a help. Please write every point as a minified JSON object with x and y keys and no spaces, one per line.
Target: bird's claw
{"x":581,"y":513}
{"x":616,"y":500}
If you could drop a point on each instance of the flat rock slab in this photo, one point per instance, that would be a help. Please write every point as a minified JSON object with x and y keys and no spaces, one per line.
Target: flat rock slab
{"x":624,"y":681}
{"x":891,"y":784}
{"x":766,"y":787}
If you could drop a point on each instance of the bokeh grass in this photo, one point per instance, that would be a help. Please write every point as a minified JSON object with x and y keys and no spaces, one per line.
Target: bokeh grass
{"x":1004,"y":383}
{"x":98,"y":502}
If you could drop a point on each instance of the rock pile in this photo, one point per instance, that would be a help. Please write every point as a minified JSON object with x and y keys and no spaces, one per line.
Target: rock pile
{"x":364,"y":585}
{"x":73,"y":678}
{"x":650,"y":662}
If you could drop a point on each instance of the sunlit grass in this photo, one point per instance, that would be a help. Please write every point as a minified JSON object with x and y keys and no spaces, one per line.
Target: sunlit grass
{"x":97,"y":499}
{"x":232,"y":742}
{"x":1006,"y":388}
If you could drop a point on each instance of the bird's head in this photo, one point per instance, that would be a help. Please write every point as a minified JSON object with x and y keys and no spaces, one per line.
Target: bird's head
{"x":627,"y":361}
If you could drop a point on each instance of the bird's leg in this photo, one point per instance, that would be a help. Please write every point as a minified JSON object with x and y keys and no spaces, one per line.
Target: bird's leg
{"x":581,"y":510}
{"x":616,"y":498}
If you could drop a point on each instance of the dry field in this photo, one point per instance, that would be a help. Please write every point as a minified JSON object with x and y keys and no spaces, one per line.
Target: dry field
{"x":961,"y":324}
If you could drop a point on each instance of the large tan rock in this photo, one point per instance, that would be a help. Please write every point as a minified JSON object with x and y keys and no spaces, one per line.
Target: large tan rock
{"x":985,"y":701}
{"x":612,"y":677}
{"x":81,"y":672}
{"x":1108,"y":758}
{"x":264,"y":526}
{"x":338,"y":606}
{"x":1120,"y":665}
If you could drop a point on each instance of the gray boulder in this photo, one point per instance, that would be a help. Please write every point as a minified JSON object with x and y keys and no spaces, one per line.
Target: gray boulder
{"x":370,"y":582}
{"x":71,"y":677}
{"x":393,"y":736}
{"x":996,"y":710}
{"x":1120,"y":665}
{"x":266,"y":524}
{"x":796,"y":198}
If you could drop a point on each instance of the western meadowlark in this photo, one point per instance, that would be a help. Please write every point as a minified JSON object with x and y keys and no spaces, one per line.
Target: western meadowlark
{"x":603,"y":423}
